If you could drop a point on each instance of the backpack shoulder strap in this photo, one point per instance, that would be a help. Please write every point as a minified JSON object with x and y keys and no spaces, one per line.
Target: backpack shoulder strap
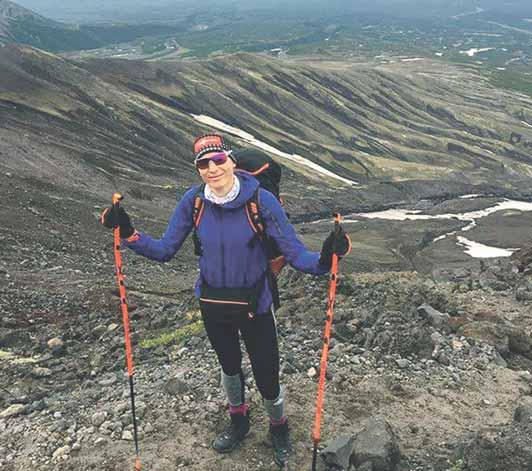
{"x":197,"y":213}
{"x":253,"y":213}
{"x":198,"y":208}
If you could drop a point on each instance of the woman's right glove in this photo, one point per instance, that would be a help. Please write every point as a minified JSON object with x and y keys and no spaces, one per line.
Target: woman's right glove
{"x":339,"y":244}
{"x":117,"y":217}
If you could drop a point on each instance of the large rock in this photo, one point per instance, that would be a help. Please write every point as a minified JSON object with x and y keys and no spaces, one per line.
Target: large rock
{"x":376,"y":447}
{"x":337,"y":453}
{"x":437,"y":319}
{"x":56,"y":345}
{"x":505,"y":337}
{"x":523,"y":413}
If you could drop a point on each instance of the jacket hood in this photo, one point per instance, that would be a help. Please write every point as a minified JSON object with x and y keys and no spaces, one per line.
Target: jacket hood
{"x":248,"y":186}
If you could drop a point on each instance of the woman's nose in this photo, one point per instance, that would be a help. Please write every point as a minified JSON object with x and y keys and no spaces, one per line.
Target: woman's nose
{"x":212,"y":166}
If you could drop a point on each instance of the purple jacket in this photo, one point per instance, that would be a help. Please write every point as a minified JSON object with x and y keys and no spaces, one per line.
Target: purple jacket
{"x":229,"y":260}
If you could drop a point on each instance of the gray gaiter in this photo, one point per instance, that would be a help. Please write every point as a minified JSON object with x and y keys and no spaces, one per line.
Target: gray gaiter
{"x":275,"y":408}
{"x":234,"y":388}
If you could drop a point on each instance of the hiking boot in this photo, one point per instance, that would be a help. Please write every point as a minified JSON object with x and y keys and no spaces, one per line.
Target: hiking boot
{"x":233,"y":434}
{"x":282,"y":450}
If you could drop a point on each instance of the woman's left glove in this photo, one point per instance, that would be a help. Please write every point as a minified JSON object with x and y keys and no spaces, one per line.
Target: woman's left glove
{"x":117,"y":217}
{"x":339,"y":244}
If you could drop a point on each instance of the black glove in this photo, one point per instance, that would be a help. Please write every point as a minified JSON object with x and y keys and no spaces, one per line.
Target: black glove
{"x":340,"y":244}
{"x":117,"y":217}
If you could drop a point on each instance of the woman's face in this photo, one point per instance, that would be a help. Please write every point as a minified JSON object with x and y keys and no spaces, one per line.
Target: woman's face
{"x":220,"y":177}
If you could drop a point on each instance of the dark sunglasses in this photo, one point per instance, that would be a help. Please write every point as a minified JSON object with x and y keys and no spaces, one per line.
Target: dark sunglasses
{"x":218,"y":159}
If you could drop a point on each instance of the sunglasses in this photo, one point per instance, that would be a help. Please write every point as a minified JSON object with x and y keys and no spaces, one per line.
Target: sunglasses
{"x":218,"y":159}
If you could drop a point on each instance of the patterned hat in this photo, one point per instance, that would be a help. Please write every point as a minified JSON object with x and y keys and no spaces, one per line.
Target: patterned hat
{"x":208,"y":143}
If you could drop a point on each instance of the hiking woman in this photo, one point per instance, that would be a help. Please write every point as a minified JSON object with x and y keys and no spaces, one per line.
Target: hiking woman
{"x":235,"y":285}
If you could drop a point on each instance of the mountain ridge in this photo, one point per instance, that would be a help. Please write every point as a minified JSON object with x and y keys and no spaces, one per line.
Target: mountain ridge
{"x":92,"y":125}
{"x":23,"y":26}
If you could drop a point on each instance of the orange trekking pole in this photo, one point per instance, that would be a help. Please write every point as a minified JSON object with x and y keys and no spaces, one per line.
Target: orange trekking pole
{"x":325,"y":351}
{"x":117,"y":197}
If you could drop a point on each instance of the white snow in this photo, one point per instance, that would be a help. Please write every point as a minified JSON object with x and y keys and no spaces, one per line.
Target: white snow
{"x":344,"y":221}
{"x":471,"y":52}
{"x":405,"y":214}
{"x":474,"y":249}
{"x":250,"y":139}
{"x":477,"y":250}
{"x":413,"y":59}
{"x":526,"y":124}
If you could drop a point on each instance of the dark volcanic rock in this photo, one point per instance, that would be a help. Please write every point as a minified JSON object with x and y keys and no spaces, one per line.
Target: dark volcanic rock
{"x":337,"y":453}
{"x":376,"y":447}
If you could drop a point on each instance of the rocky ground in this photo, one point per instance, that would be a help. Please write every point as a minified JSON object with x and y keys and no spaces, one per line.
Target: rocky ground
{"x":423,"y":375}
{"x":430,"y":363}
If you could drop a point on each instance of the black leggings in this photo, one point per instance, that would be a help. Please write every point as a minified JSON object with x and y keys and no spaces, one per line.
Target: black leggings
{"x":224,"y":325}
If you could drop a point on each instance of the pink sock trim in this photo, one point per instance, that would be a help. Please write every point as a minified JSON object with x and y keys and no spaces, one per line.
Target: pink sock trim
{"x":278,"y":422}
{"x":241,"y":409}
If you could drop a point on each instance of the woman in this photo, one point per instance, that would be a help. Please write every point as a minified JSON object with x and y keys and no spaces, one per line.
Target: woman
{"x":234,"y":287}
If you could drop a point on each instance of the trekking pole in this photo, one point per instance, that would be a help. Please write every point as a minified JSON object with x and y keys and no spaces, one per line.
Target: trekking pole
{"x":326,"y":338}
{"x":117,"y":197}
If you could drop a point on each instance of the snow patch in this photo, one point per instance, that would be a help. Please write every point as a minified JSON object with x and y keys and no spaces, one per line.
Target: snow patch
{"x":473,"y":51}
{"x":477,"y":250}
{"x":405,"y":214}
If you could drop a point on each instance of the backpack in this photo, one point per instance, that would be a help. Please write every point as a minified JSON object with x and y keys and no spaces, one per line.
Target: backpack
{"x":268,"y":173}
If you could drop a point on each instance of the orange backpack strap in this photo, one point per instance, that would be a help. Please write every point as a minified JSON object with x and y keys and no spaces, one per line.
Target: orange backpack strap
{"x":198,"y":209}
{"x":254,"y":217}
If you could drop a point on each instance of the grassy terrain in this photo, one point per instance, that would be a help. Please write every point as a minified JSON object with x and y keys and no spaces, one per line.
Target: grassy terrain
{"x":518,"y":80}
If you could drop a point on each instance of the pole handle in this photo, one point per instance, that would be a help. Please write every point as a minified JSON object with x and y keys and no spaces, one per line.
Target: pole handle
{"x":117,"y":197}
{"x":337,"y":228}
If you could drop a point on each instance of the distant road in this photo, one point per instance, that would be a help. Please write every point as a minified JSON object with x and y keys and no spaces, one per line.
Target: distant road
{"x":469,"y":13}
